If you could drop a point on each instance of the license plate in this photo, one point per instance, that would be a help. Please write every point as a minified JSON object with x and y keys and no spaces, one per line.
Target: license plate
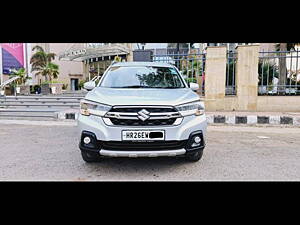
{"x":142,"y":135}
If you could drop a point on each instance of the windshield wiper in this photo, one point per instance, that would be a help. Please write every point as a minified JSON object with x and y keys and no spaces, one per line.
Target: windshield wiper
{"x":133,"y":86}
{"x":168,"y":87}
{"x":140,"y":86}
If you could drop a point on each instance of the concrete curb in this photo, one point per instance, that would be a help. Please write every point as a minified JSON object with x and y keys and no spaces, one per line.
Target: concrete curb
{"x":253,"y":120}
{"x":222,"y":119}
{"x":38,"y":123}
{"x":65,"y":115}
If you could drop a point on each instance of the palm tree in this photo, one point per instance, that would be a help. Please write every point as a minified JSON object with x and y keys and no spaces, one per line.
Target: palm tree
{"x":41,"y":62}
{"x":54,"y":70}
{"x":21,"y":73}
{"x":22,"y":78}
{"x":50,"y":70}
{"x":283,"y":47}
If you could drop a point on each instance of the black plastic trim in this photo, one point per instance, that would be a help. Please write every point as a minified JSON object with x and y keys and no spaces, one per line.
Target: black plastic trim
{"x":190,"y":141}
{"x":145,"y":146}
{"x":93,"y":146}
{"x":97,"y":145}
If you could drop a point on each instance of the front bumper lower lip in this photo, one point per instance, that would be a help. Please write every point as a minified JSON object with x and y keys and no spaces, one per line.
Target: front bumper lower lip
{"x":135,"y":154}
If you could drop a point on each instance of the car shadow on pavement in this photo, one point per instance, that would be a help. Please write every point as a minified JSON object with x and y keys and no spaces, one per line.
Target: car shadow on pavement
{"x":128,"y":165}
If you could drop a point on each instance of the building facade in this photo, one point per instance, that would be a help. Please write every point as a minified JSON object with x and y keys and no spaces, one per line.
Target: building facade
{"x":77,"y":61}
{"x":94,"y":58}
{"x":68,"y":71}
{"x":82,"y":61}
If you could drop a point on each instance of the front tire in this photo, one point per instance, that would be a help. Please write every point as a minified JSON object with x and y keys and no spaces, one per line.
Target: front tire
{"x":90,"y":157}
{"x":195,"y":157}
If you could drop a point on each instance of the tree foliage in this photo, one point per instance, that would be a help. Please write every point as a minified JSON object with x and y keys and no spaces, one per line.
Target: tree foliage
{"x":50,"y":70}
{"x":266,"y":72}
{"x":289,"y":46}
{"x":41,"y":63}
{"x":282,"y":62}
{"x":21,"y":73}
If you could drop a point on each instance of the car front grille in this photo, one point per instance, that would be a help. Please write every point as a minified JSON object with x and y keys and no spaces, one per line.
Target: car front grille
{"x":143,"y":115}
{"x":139,"y":108}
{"x":129,"y":122}
{"x":144,"y":146}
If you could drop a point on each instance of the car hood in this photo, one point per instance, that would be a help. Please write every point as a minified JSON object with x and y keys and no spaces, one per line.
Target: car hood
{"x":141,"y":96}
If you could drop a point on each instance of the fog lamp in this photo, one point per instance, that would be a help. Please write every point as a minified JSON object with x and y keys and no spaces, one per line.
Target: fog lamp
{"x":197,"y":139}
{"x":87,"y":140}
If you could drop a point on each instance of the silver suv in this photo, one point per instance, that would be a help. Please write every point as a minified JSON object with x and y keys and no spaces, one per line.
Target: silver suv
{"x":141,"y":109}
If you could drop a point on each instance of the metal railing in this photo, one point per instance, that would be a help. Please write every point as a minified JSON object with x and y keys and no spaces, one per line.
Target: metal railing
{"x":278,"y":73}
{"x":191,"y":66}
{"x":230,"y":84}
{"x":164,"y":51}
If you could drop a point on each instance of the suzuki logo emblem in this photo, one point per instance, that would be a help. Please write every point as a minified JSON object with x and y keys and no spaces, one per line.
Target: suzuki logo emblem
{"x":143,"y":115}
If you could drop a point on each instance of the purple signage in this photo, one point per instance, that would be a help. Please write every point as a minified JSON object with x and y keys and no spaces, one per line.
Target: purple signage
{"x":12,"y":56}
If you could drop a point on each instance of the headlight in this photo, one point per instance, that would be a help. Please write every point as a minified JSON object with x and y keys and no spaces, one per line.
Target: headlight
{"x":92,"y":108}
{"x":192,"y":108}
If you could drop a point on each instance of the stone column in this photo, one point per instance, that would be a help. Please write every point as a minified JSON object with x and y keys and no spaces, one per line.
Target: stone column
{"x":247,"y":77}
{"x":129,"y":57}
{"x":215,"y":75}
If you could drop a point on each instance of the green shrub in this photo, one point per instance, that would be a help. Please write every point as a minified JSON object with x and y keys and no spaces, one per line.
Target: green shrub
{"x":51,"y":82}
{"x":65,"y":86}
{"x":35,"y":88}
{"x":230,"y":70}
{"x":265,"y":69}
{"x":81,"y":83}
{"x":191,"y":80}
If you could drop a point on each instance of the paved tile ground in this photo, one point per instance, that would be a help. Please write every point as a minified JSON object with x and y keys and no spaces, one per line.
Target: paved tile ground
{"x":49,"y":151}
{"x":255,"y":118}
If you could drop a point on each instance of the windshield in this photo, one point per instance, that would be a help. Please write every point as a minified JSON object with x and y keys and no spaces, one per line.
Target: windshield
{"x":142,"y":77}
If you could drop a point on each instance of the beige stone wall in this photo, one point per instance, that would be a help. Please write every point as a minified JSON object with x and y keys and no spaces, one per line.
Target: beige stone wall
{"x":215,"y":78}
{"x":230,"y":103}
{"x":246,"y":98}
{"x":264,"y":104}
{"x":66,"y":68}
{"x":247,"y":77}
{"x":278,"y":103}
{"x":129,"y":57}
{"x":267,"y":47}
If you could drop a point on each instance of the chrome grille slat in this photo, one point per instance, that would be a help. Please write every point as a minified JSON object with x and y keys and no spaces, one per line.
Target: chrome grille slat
{"x":144,"y":106}
{"x":129,"y":115}
{"x":151,"y":114}
{"x":134,"y":116}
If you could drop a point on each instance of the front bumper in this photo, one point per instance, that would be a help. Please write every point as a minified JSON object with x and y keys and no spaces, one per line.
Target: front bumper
{"x":141,"y":149}
{"x":135,"y":154}
{"x":107,"y":140}
{"x":95,"y":124}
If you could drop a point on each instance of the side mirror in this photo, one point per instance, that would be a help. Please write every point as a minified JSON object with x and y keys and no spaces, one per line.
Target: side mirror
{"x":89,"y":85}
{"x":194,"y":86}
